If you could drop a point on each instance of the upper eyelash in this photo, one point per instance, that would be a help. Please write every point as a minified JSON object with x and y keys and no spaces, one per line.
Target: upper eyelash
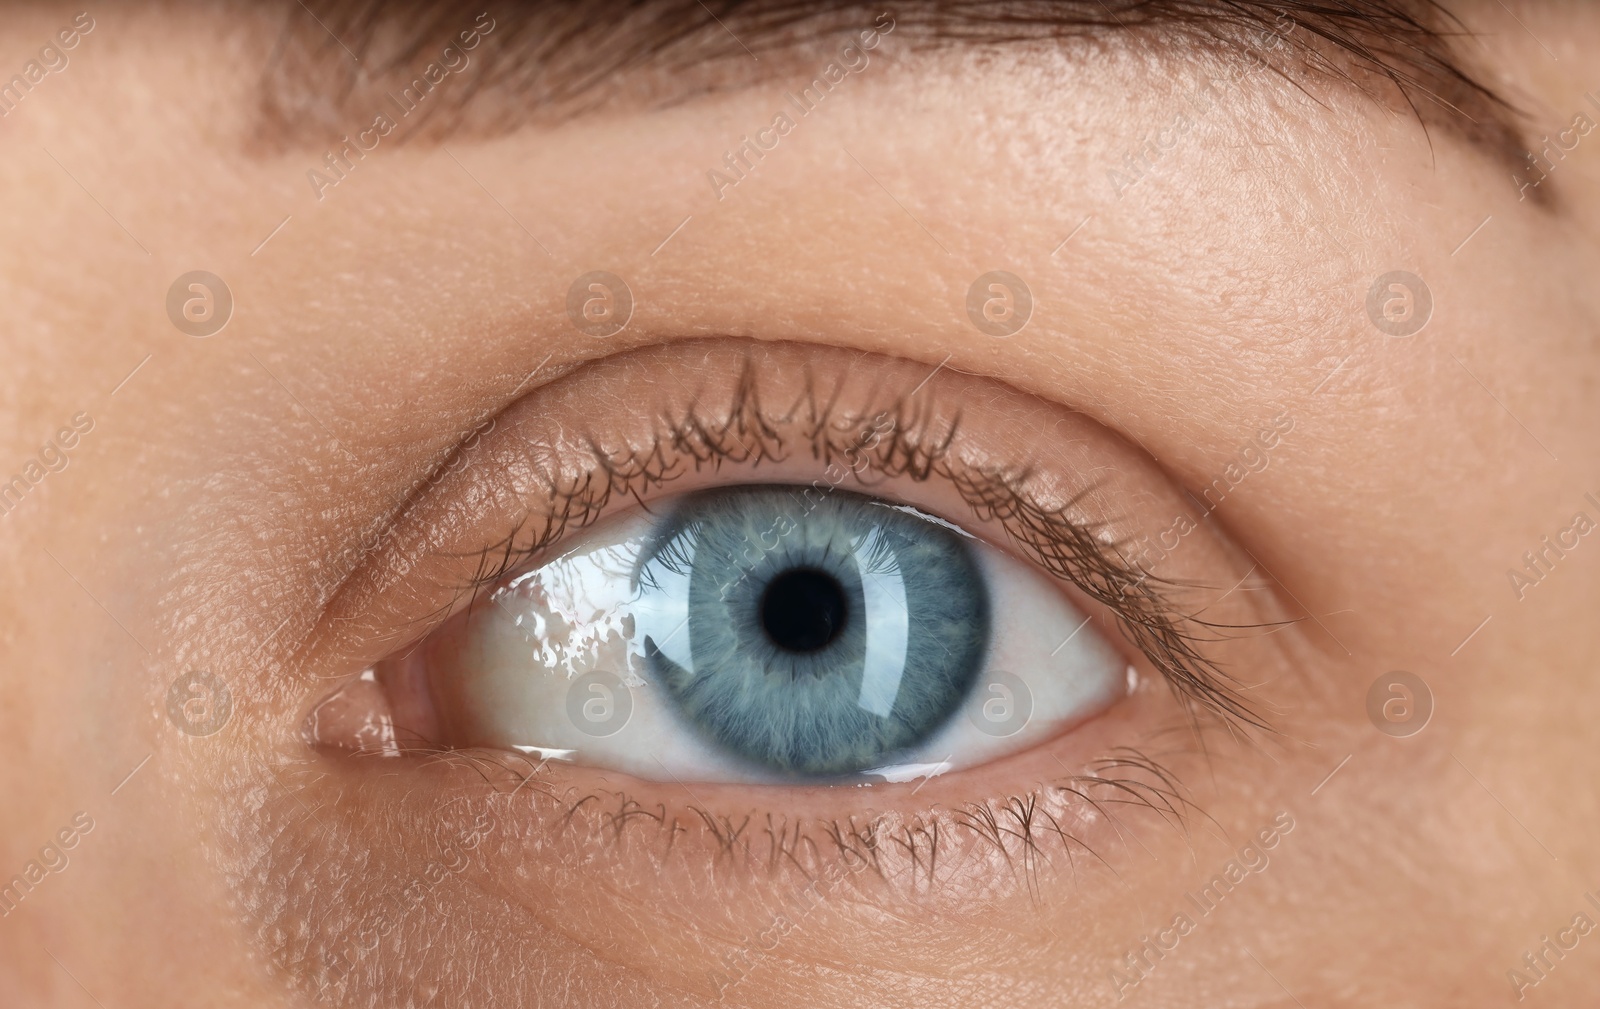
{"x":1143,"y":603}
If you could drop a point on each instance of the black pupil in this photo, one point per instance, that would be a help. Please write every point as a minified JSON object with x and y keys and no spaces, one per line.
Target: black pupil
{"x":803,"y":610}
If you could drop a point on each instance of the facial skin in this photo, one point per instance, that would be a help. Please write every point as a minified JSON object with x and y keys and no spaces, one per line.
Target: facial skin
{"x":1209,"y":317}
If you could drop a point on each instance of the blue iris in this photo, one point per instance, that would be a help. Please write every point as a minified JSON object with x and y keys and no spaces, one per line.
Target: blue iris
{"x":812,"y":635}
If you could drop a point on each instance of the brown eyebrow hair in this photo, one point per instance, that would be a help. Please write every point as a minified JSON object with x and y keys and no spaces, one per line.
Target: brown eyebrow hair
{"x":544,"y":61}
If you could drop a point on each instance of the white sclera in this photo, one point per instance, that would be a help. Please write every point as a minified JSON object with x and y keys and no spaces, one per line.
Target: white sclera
{"x":555,"y":666}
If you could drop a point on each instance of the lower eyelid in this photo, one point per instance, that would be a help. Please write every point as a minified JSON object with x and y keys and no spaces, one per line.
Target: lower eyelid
{"x":570,"y":855}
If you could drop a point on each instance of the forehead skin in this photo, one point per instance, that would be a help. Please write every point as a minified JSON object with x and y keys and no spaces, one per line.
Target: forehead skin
{"x":382,"y":322}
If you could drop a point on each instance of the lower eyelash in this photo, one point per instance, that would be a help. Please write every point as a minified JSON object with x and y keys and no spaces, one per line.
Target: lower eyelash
{"x":945,"y":860}
{"x":920,"y":854}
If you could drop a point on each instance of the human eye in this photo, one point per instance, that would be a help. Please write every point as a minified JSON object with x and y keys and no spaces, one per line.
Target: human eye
{"x":733,"y":618}
{"x":765,"y":632}
{"x":741,"y":581}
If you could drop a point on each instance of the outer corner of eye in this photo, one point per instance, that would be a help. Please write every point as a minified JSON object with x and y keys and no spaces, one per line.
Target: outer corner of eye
{"x":762,"y":634}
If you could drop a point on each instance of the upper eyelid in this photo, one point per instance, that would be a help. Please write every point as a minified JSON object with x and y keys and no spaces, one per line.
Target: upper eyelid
{"x":1050,"y":536}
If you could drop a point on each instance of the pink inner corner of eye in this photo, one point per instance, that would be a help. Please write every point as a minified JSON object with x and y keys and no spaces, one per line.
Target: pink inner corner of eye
{"x":356,"y":717}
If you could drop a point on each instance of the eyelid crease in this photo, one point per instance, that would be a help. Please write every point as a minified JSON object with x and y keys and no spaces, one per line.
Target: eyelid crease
{"x":906,"y":437}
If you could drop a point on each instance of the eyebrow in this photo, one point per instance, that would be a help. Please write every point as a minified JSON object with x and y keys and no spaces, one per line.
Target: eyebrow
{"x":544,"y":62}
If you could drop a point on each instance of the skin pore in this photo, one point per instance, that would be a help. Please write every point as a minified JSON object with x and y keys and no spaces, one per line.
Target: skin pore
{"x":301,"y":495}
